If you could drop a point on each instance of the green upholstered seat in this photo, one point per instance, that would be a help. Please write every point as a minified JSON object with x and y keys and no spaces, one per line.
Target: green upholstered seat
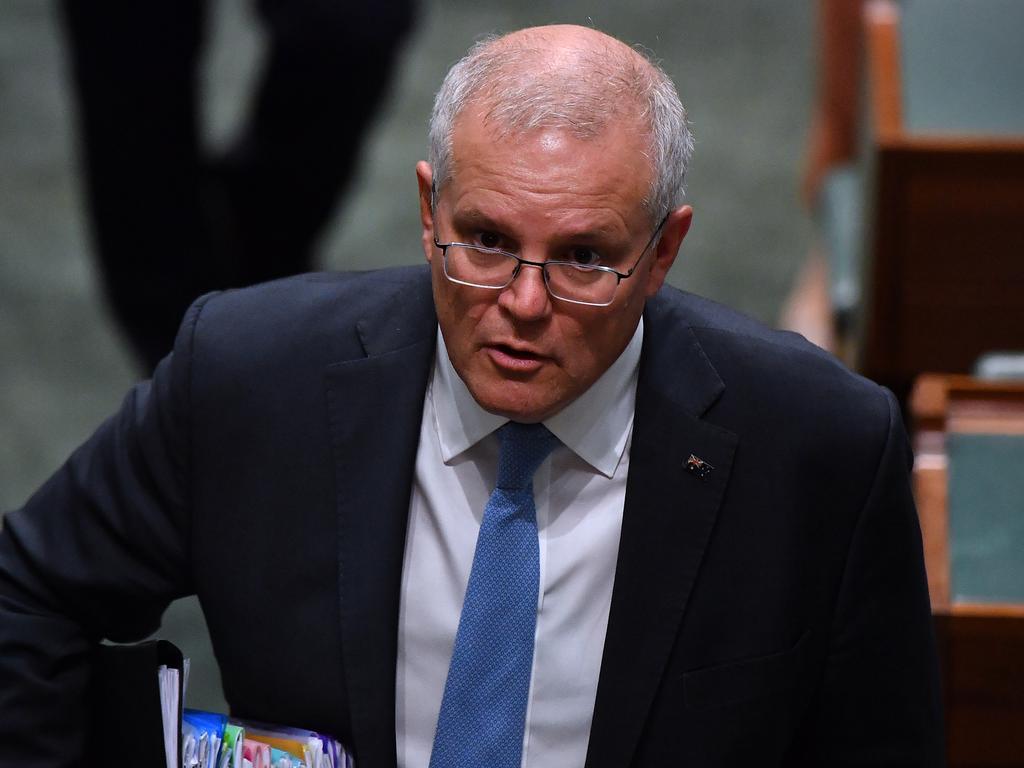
{"x":986,"y":517}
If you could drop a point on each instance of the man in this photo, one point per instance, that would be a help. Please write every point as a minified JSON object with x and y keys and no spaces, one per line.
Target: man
{"x":717,"y":562}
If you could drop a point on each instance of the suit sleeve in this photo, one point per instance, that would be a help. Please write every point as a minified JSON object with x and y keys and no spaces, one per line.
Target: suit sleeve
{"x":97,"y":552}
{"x":880,"y":700}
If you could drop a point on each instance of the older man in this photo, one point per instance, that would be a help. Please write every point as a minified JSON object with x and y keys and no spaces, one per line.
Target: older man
{"x":532,"y":508}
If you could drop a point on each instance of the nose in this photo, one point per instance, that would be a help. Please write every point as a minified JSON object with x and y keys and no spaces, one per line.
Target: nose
{"x":527,"y":297}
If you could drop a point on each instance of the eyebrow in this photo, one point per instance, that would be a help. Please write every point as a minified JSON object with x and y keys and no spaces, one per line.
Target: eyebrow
{"x":475,"y":218}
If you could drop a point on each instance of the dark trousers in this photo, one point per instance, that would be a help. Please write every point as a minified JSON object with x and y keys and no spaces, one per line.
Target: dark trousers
{"x":170,"y":222}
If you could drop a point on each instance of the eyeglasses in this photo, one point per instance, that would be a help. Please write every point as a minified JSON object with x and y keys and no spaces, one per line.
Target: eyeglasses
{"x":589,"y":284}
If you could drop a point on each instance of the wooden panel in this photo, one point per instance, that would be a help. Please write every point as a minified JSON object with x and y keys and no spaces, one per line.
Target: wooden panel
{"x":981,"y":646}
{"x":947,"y":259}
{"x":881,"y":21}
{"x":957,"y":403}
{"x":930,"y":493}
{"x":983,"y":666}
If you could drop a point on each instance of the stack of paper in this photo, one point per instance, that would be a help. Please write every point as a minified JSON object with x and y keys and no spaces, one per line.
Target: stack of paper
{"x":170,"y":701}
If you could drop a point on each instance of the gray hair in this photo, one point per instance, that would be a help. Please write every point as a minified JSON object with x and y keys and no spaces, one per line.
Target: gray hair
{"x":522,"y":87}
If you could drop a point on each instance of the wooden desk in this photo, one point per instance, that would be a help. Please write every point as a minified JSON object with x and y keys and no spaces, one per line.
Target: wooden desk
{"x":981,"y":645}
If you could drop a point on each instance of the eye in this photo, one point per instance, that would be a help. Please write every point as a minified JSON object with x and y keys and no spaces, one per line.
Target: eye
{"x":584,"y":257}
{"x":488,"y":239}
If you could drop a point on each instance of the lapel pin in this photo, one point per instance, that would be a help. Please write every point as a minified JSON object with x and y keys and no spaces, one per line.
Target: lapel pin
{"x":697,"y":466}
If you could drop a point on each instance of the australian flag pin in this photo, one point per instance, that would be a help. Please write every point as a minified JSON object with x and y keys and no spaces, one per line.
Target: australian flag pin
{"x":697,"y":466}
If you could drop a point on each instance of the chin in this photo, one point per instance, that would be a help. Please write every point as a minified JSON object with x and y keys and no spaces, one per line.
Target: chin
{"x":517,"y":413}
{"x":503,"y":401}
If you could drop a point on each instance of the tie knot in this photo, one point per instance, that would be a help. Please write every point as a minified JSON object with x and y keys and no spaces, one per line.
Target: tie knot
{"x":523,"y":448}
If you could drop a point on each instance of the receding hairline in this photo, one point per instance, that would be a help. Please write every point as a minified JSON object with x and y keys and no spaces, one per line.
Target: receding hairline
{"x":560,"y":38}
{"x":565,"y":57}
{"x":564,"y":49}
{"x":570,"y":78}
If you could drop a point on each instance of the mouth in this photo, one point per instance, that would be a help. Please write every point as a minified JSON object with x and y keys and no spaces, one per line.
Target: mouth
{"x":514,"y":359}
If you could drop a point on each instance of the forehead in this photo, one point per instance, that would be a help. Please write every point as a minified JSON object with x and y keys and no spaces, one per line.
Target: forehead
{"x":551,"y":172}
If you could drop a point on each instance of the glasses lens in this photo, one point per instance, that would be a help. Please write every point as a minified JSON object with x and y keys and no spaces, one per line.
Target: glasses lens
{"x":581,"y":284}
{"x":479,"y":267}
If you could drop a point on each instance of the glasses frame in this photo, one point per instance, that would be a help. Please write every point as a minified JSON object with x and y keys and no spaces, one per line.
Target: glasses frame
{"x":543,"y":267}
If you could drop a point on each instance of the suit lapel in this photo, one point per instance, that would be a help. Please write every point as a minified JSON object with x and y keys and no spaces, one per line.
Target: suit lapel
{"x":669,"y":515}
{"x":375,"y":408}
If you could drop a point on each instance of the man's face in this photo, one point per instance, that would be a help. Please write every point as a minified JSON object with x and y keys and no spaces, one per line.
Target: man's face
{"x":543,"y":195}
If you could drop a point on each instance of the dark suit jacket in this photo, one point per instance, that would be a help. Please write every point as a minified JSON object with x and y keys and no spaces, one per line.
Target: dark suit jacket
{"x":773,"y":612}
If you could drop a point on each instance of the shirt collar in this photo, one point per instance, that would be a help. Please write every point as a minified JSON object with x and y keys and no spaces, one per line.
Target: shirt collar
{"x":595,"y":426}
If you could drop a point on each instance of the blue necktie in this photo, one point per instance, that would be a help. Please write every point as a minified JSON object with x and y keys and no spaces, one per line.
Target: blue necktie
{"x":483,"y":711}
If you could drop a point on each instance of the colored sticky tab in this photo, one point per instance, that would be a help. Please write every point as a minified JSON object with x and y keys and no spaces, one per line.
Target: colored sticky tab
{"x":201,"y":735}
{"x":231,"y":750}
{"x":257,"y":754}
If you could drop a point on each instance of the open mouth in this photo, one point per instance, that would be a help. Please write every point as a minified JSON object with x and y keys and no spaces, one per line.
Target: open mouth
{"x":518,"y":354}
{"x":514,"y":360}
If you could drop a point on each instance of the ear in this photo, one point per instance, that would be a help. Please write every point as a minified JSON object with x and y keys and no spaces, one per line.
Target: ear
{"x":672,"y":233}
{"x":424,"y":180}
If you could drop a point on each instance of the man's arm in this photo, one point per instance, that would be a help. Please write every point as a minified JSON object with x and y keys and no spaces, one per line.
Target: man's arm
{"x":880,"y":701}
{"x":98,"y":552}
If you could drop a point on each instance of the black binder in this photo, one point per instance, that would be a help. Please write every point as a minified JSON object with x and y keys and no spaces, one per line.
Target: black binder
{"x":126,"y":717}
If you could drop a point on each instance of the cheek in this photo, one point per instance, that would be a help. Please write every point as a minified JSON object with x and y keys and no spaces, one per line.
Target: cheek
{"x":597,"y":344}
{"x":632,"y":297}
{"x":460,"y":315}
{"x":468,"y":313}
{"x":578,"y":344}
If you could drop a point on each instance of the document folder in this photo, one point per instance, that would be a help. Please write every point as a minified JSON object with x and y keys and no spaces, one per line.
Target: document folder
{"x":135,"y":723}
{"x":127,"y":715}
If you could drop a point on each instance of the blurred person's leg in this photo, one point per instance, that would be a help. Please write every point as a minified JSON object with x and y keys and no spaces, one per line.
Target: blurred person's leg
{"x":170,"y":225}
{"x":327,"y":71}
{"x":134,"y":67}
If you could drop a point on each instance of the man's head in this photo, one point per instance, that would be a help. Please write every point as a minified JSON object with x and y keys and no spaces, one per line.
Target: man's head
{"x":553,"y":144}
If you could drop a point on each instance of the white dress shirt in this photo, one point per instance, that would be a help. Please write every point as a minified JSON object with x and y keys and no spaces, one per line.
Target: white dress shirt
{"x":579,"y":492}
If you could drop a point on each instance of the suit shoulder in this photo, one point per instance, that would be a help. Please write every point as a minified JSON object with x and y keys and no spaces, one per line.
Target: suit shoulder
{"x":306,"y":319}
{"x":347,"y":293}
{"x":779,"y":371}
{"x":710,"y":319}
